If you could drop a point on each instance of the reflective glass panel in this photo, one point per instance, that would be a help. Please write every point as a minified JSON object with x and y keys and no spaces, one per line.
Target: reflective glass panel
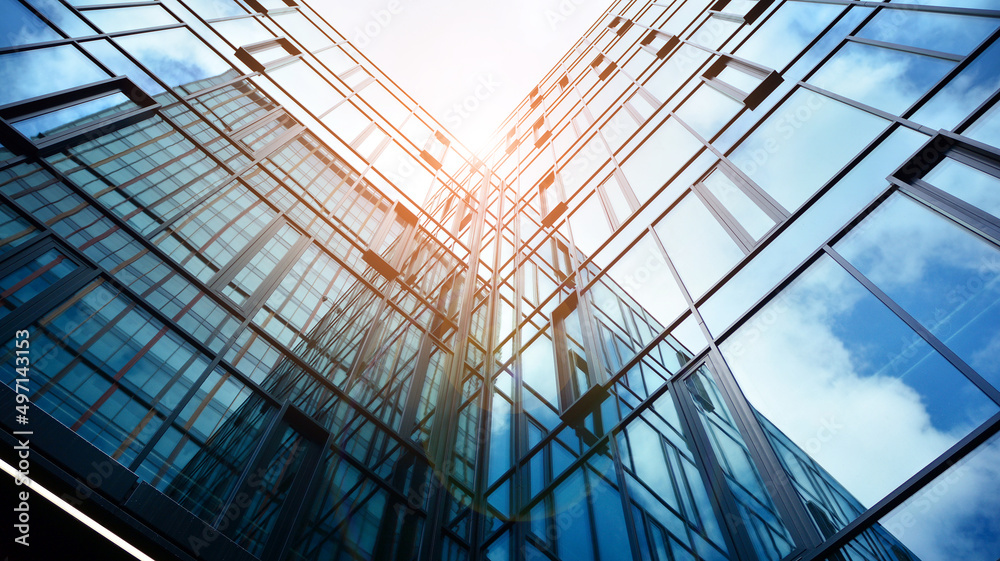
{"x":590,"y":225}
{"x":754,"y":220}
{"x":708,"y":110}
{"x":967,"y":183}
{"x":125,"y":19}
{"x":767,"y":532}
{"x":986,"y":128}
{"x":19,"y":285}
{"x":847,"y":382}
{"x":642,"y":272}
{"x":697,"y":244}
{"x":52,"y":123}
{"x":780,"y":156}
{"x":670,"y":502}
{"x":38,"y":72}
{"x":956,"y":515}
{"x":939,"y":272}
{"x":21,"y":27}
{"x":949,"y":33}
{"x":886,"y":79}
{"x":658,"y":158}
{"x":176,"y":56}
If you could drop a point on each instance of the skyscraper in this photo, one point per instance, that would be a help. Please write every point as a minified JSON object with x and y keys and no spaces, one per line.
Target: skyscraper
{"x":724,"y":286}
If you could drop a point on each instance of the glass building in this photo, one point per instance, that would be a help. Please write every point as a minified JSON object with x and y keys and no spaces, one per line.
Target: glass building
{"x":724,"y":286}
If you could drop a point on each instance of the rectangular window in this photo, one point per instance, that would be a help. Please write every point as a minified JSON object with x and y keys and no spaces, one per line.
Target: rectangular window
{"x":30,"y":273}
{"x":390,"y":245}
{"x":579,"y":377}
{"x":841,"y":347}
{"x":561,"y":261}
{"x":603,"y":66}
{"x":199,"y":459}
{"x":775,"y":155}
{"x":563,"y":83}
{"x":552,"y":197}
{"x":760,"y":516}
{"x":14,"y":230}
{"x":108,"y":369}
{"x":250,"y":276}
{"x":699,"y":246}
{"x":540,"y":131}
{"x":740,"y":11}
{"x":742,"y":80}
{"x":435,"y":148}
{"x":659,"y":43}
{"x":264,"y":55}
{"x":512,"y":139}
{"x":620,"y":25}
{"x":745,"y":210}
{"x":52,"y":122}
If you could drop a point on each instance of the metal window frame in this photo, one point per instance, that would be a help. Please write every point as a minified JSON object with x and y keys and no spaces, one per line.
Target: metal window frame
{"x":429,"y":151}
{"x":247,"y":54}
{"x":769,"y":80}
{"x":655,"y":35}
{"x":390,"y":268}
{"x":15,"y":112}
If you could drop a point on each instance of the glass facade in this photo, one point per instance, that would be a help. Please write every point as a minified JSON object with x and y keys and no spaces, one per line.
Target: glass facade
{"x":724,"y":286}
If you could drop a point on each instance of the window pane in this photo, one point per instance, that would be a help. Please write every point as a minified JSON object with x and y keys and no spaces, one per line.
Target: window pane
{"x":176,"y":56}
{"x":708,"y":110}
{"x":966,"y":91}
{"x":847,"y":382}
{"x":125,"y":19}
{"x":590,"y":225}
{"x":109,"y":370}
{"x":658,"y":158}
{"x":948,"y":33}
{"x":786,"y":32}
{"x":780,"y":156}
{"x":986,"y":129}
{"x":751,"y":217}
{"x":21,"y":27}
{"x":25,"y":282}
{"x":250,"y":277}
{"x":14,"y":230}
{"x":768,"y":534}
{"x":697,"y":244}
{"x":38,"y":72}
{"x":201,"y":456}
{"x":644,"y":275}
{"x":49,"y":124}
{"x":538,"y":368}
{"x":954,"y":517}
{"x":886,"y":79}
{"x":939,"y":272}
{"x":969,"y":184}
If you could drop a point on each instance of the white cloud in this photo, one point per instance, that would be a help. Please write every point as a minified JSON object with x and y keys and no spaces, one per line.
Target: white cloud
{"x":871,"y":431}
{"x":956,"y":516}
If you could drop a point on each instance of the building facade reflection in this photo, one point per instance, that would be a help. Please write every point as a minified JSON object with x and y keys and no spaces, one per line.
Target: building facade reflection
{"x":723,"y":286}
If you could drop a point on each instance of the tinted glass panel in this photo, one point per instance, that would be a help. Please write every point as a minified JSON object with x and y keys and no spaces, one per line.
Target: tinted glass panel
{"x":697,"y":244}
{"x":780,"y":156}
{"x":939,"y":272}
{"x":967,"y":183}
{"x":826,"y":363}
